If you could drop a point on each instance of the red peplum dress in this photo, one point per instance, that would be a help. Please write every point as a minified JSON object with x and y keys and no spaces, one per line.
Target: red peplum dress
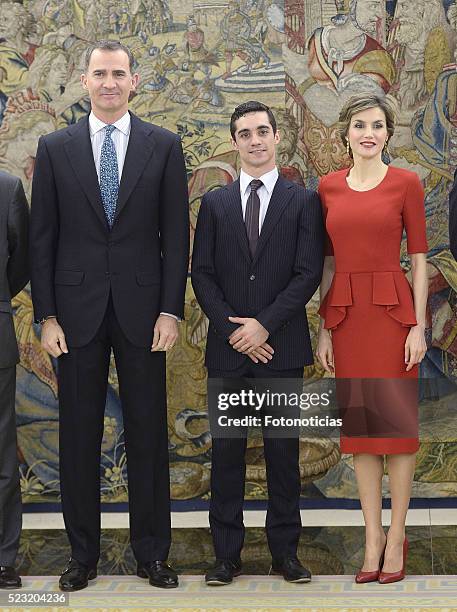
{"x":369,"y":308}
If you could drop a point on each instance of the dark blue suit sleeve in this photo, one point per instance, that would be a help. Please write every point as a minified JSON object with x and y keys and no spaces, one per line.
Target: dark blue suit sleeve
{"x":307,"y":271}
{"x":204,"y":280}
{"x":174,"y":232}
{"x":43,"y":234}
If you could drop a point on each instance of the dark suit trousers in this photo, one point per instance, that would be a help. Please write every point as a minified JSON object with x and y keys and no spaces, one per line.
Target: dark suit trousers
{"x":228,"y":471}
{"x":10,"y":492}
{"x":83,"y":375}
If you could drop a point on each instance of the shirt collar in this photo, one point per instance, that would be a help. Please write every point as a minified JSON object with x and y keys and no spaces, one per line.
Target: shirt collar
{"x":268,"y":179}
{"x":122,"y":124}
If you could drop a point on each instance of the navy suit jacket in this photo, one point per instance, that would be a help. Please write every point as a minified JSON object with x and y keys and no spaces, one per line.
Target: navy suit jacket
{"x":273,"y":287}
{"x":453,"y":218}
{"x":77,"y":260}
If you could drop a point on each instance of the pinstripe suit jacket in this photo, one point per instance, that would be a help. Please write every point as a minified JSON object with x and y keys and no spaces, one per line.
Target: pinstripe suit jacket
{"x":273,"y":287}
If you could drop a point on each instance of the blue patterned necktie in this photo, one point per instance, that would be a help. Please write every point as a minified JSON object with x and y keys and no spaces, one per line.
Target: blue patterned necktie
{"x":109,"y":175}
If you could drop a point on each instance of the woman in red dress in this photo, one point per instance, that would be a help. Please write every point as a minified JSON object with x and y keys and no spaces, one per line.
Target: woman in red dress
{"x":372,"y":323}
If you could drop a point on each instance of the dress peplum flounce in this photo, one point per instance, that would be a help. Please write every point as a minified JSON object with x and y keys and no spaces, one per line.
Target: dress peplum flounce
{"x":390,"y":289}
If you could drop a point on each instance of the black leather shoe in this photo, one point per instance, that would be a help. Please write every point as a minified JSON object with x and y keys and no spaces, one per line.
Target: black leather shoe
{"x":9,"y":578}
{"x":160,"y":574}
{"x":223,"y":572}
{"x":291,"y":569}
{"x":76,"y":576}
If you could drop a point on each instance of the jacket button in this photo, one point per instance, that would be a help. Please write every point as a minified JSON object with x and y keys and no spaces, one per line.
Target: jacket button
{"x":252,"y":277}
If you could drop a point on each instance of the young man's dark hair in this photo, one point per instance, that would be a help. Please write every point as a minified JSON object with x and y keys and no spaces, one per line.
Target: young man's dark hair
{"x":250,"y":107}
{"x":109,"y":45}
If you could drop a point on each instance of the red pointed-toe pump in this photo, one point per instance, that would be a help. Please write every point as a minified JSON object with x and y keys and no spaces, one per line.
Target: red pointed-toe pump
{"x":363,"y":577}
{"x":388,"y":577}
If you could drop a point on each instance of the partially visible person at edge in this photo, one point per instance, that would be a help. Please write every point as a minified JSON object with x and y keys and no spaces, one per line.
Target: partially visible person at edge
{"x":14,"y":275}
{"x":372,"y":324}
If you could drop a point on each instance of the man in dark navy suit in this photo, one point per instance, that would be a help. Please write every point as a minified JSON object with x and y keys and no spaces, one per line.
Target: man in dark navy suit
{"x":453,"y":217}
{"x":109,"y":259}
{"x":257,"y":260}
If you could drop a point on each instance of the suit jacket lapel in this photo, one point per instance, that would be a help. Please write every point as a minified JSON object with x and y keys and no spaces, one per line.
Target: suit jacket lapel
{"x":232,"y":205}
{"x":139,"y":150}
{"x":79,"y":151}
{"x":282,"y":193}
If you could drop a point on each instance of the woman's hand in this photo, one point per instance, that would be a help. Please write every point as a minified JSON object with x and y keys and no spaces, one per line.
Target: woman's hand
{"x":415,"y":346}
{"x":325,"y":350}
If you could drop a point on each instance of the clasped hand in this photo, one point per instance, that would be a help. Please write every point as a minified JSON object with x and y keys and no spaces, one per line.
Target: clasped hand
{"x":251,"y":339}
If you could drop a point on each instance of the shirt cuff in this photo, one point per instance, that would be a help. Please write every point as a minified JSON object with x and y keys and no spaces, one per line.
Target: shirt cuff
{"x":167,"y":314}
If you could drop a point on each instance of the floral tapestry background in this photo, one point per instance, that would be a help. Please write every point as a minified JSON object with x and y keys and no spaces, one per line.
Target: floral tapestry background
{"x":197,"y":61}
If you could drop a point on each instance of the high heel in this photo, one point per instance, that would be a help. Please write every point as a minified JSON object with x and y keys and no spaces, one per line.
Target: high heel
{"x":363,"y":577}
{"x":388,"y":577}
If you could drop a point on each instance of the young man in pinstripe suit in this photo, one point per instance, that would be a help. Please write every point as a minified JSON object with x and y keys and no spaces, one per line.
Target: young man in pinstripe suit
{"x":257,"y":260}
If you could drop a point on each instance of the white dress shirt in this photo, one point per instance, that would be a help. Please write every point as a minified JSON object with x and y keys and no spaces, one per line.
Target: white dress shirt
{"x":264,"y":192}
{"x":120,"y":137}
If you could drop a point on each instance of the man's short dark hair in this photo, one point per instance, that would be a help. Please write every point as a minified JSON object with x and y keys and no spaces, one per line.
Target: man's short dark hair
{"x":109,"y":45}
{"x":251,"y":107}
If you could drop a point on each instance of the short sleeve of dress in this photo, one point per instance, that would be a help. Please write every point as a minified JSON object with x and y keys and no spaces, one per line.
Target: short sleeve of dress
{"x":414,"y":216}
{"x":328,"y":247}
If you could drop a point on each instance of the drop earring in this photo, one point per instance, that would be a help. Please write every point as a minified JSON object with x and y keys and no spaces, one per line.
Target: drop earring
{"x":348,"y":148}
